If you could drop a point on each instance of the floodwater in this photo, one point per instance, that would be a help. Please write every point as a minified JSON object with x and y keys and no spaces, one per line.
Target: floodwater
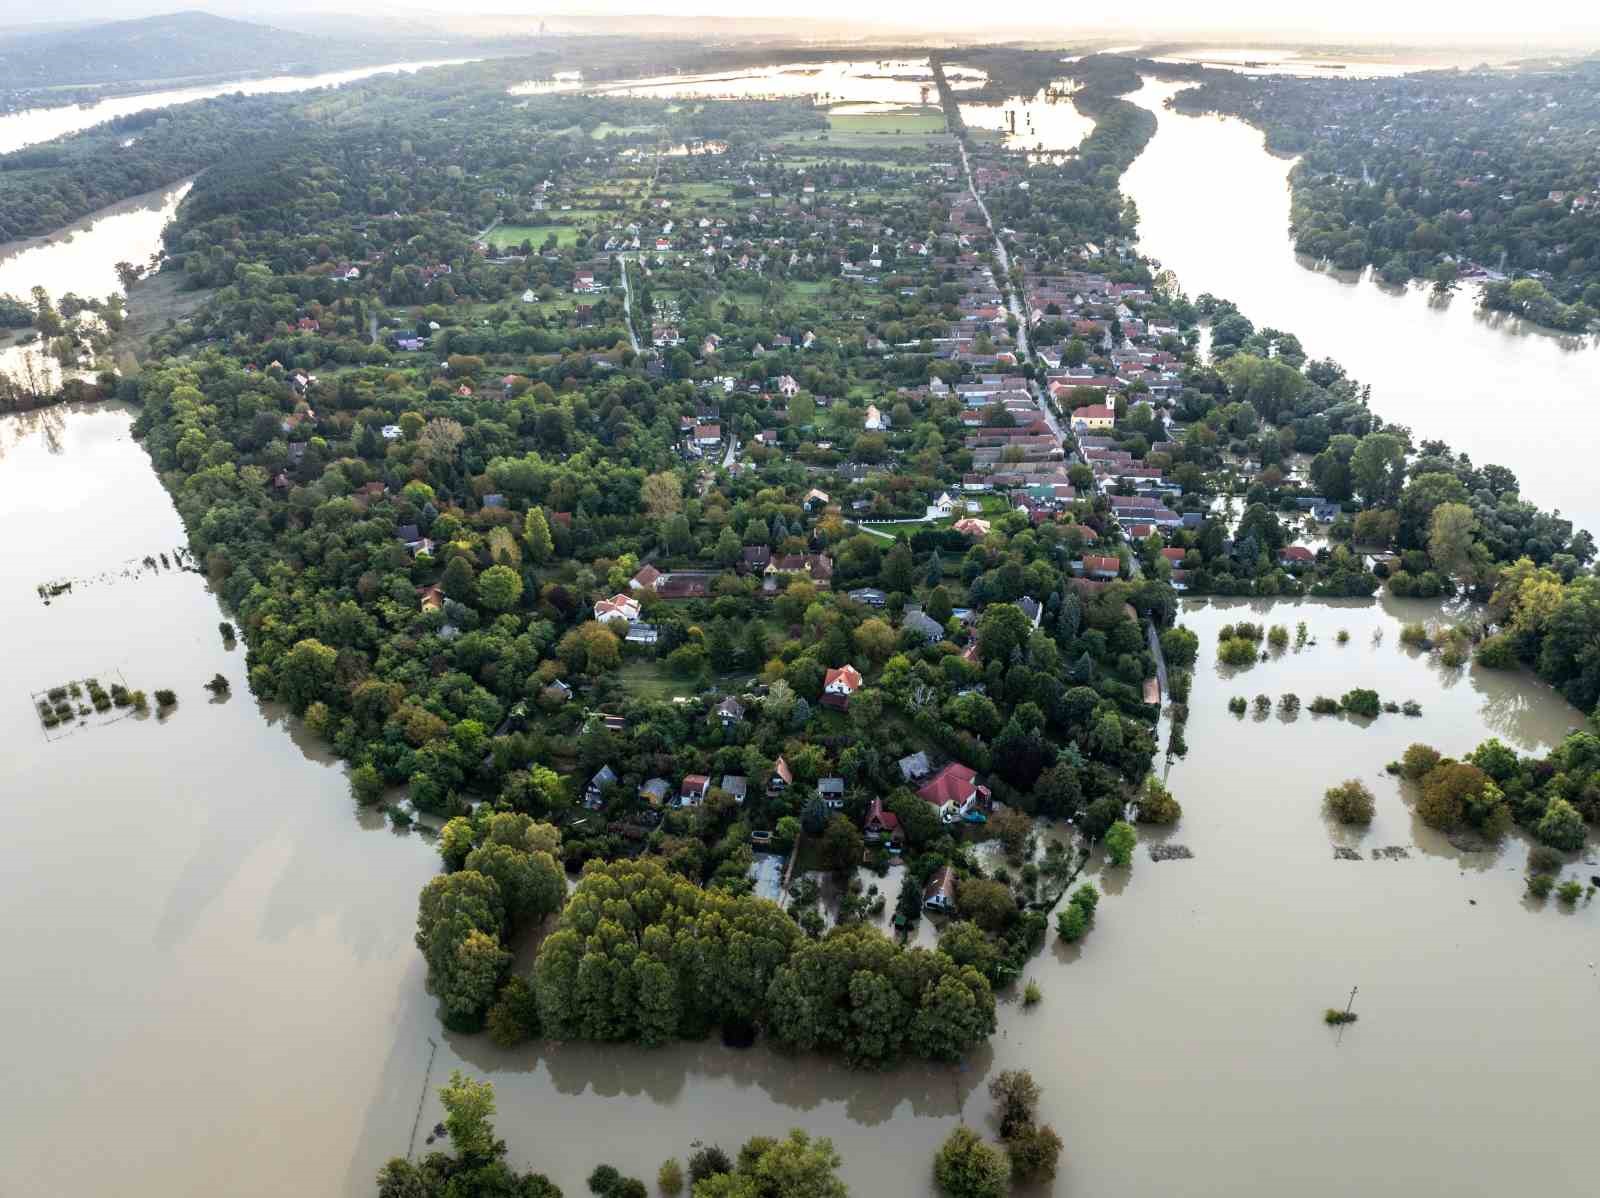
{"x":214,"y":968}
{"x":1045,"y":124}
{"x":82,"y":259}
{"x":32,"y":125}
{"x":890,"y":82}
{"x":1491,"y":386}
{"x":1257,"y":60}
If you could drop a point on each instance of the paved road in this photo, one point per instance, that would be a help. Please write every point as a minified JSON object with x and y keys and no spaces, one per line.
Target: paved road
{"x":733,"y":450}
{"x":1012,"y":302}
{"x":627,"y":304}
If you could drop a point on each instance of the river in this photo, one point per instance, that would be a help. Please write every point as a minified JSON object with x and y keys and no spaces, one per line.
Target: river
{"x":214,"y":982}
{"x":32,"y":125}
{"x":82,"y":258}
{"x":1486,"y":383}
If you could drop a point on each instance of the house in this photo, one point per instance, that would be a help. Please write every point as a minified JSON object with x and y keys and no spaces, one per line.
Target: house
{"x":1094,"y":416}
{"x":846,"y":680}
{"x":594,"y":794}
{"x":915,"y":767}
{"x":755,"y":557}
{"x":954,"y":792}
{"x":1101,"y":566}
{"x":876,"y":420}
{"x":735,"y":785}
{"x":707,"y":435}
{"x":1030,"y":608}
{"x":655,"y":791}
{"x":730,"y":711}
{"x":971,"y":526}
{"x":431,"y":598}
{"x":920,"y":622}
{"x":818,"y":567}
{"x":693,"y":791}
{"x":870,"y":596}
{"x":617,"y":609}
{"x":788,"y":387}
{"x":583,"y":281}
{"x":880,"y":824}
{"x":940,"y":895}
{"x":814,"y":499}
{"x":640,"y":633}
{"x":413,"y":540}
{"x":647,"y":579}
{"x":782,"y":778}
{"x":1325,"y":513}
{"x":1296,"y":555}
{"x":831,"y":791}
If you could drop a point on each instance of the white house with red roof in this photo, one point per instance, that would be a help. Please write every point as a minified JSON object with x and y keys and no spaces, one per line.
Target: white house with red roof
{"x":617,"y":609}
{"x":954,"y":792}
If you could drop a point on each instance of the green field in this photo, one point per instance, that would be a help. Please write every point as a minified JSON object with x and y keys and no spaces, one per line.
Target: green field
{"x":908,"y":120}
{"x":513,"y":235}
{"x":606,"y":129}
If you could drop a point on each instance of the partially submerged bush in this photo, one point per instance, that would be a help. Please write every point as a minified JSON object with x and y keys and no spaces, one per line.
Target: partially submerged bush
{"x":1237,"y":651}
{"x":1419,"y":761}
{"x":1361,"y":701}
{"x":1238,"y":705}
{"x":1350,"y":802}
{"x":1322,"y":705}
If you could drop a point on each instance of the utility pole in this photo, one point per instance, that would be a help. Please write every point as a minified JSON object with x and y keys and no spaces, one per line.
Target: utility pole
{"x":1340,"y":1039}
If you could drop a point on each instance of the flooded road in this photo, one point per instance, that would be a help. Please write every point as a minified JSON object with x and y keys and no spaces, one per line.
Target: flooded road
{"x":1484,"y":382}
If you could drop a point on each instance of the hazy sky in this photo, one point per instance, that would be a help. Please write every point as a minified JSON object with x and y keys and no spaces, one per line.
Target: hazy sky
{"x":1427,"y":19}
{"x":1419,"y":21}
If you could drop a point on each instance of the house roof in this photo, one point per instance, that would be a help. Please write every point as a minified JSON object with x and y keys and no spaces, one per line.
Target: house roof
{"x":846,"y":676}
{"x":781,"y":769}
{"x":915,"y":765}
{"x":879,"y":816}
{"x":953,"y":784}
{"x":943,"y":886}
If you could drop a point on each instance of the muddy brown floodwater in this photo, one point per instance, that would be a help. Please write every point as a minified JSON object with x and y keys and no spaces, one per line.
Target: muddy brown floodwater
{"x":213,"y":986}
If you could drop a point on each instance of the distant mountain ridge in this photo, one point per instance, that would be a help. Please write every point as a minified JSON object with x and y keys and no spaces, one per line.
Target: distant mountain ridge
{"x":177,"y":46}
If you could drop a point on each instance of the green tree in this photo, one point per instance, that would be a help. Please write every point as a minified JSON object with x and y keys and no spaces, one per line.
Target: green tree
{"x":1016,"y":1098}
{"x":499,"y":588}
{"x":842,"y":846}
{"x":536,"y":532}
{"x":1561,"y":826}
{"x":306,"y":674}
{"x":1450,"y":533}
{"x":966,"y":1167}
{"x":1377,"y":468}
{"x":1003,"y":630}
{"x":1120,"y":842}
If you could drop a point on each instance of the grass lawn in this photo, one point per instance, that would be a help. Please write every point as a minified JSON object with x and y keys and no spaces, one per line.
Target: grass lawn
{"x":905,"y":120}
{"x":506,"y":236}
{"x":653,"y":680}
{"x":607,"y":129}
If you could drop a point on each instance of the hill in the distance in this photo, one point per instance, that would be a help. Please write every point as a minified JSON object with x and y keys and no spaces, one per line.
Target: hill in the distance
{"x":185,"y":45}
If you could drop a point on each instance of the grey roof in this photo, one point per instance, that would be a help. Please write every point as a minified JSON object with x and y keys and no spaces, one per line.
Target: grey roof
{"x":735,"y":784}
{"x":659,"y":787}
{"x":605,"y":776}
{"x":922,"y":623}
{"x":914,"y":766}
{"x":830,"y":786}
